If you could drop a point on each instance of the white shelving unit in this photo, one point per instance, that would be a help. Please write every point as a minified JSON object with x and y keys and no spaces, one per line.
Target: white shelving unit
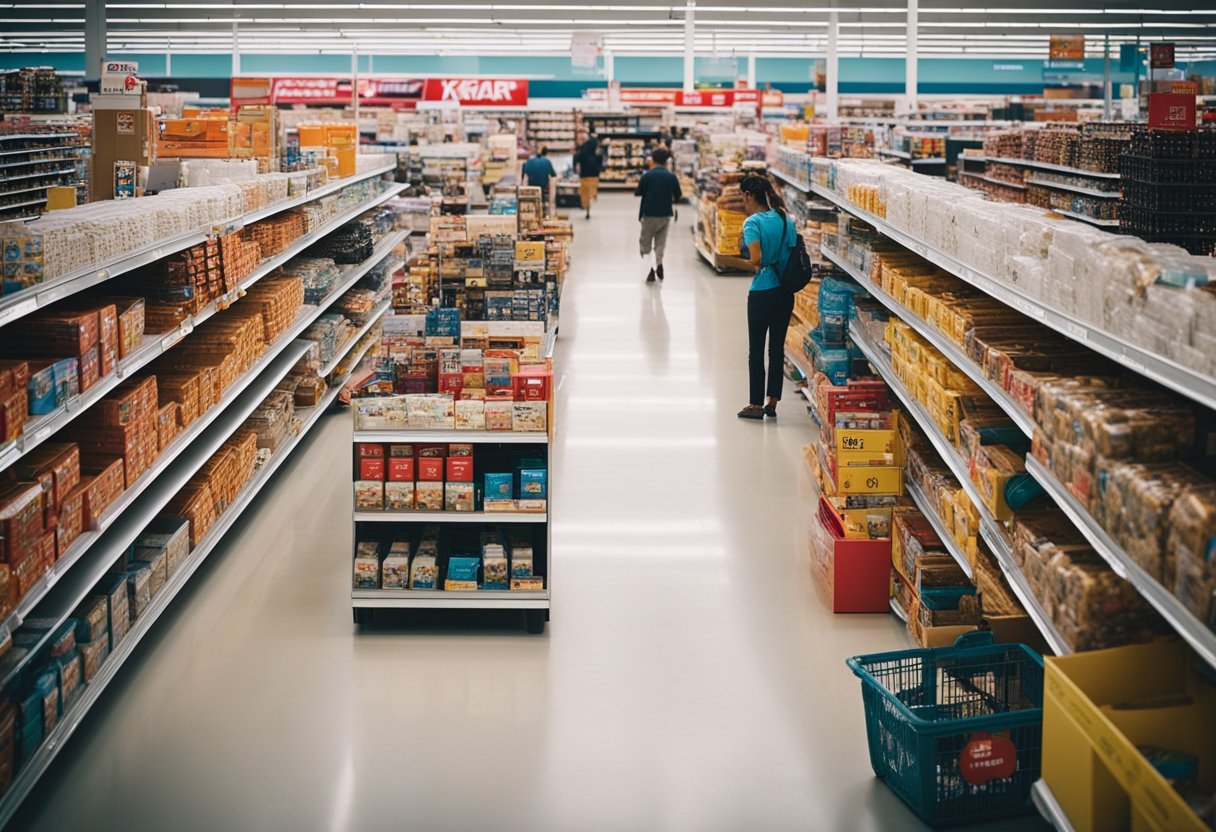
{"x":345,"y":349}
{"x":1192,"y":384}
{"x":805,"y":187}
{"x":41,"y":428}
{"x":930,"y":511}
{"x":989,"y":528}
{"x":1076,"y":189}
{"x":535,"y":603}
{"x":23,"y":303}
{"x":70,"y":721}
{"x":1029,"y":163}
{"x":73,"y":577}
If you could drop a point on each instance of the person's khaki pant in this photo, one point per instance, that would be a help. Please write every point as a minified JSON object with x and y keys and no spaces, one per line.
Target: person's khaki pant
{"x":654,"y":234}
{"x":588,"y":190}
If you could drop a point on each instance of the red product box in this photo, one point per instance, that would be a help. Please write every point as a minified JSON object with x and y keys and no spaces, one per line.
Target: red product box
{"x":401,"y":451}
{"x":101,"y":488}
{"x":401,"y":469}
{"x":28,"y":570}
{"x":858,"y":572}
{"x":367,"y":450}
{"x":21,"y":519}
{"x":460,"y":469}
{"x":89,"y":366}
{"x":430,"y":469}
{"x":59,"y":459}
{"x":371,"y":469}
{"x":431,"y":450}
{"x":14,"y":410}
{"x":451,"y":383}
{"x":71,"y":520}
{"x":532,"y":384}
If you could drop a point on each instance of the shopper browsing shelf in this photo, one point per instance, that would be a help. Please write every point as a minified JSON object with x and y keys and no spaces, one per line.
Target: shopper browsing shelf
{"x":588,"y":164}
{"x":769,"y":236}
{"x":659,"y":189}
{"x":538,"y":171}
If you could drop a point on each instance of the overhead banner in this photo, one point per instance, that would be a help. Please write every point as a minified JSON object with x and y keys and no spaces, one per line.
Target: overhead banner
{"x":478,"y":92}
{"x":1066,"y":48}
{"x":1161,"y":56}
{"x":384,"y":92}
{"x":585,"y":49}
{"x":662,"y":96}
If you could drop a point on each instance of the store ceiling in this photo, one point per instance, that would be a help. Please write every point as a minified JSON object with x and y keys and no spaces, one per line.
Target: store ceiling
{"x":1013,"y":28}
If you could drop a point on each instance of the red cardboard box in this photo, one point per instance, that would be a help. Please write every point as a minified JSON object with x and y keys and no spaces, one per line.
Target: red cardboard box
{"x":371,"y":468}
{"x":451,"y":383}
{"x":368,"y":450}
{"x":71,"y":520}
{"x":21,"y":519}
{"x":430,"y":469}
{"x":532,"y":384}
{"x":102,"y":487}
{"x":858,"y":572}
{"x":431,"y":450}
{"x":401,"y":469}
{"x":460,"y":469}
{"x":61,"y":460}
{"x":90,"y":367}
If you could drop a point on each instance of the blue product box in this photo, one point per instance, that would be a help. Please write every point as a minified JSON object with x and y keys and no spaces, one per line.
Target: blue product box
{"x":42,"y":399}
{"x":463,"y":568}
{"x":67,"y":378}
{"x":499,"y":487}
{"x":533,"y":482}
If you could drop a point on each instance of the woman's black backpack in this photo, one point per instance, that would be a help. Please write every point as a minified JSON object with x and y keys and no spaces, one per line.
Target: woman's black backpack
{"x":798,"y":270}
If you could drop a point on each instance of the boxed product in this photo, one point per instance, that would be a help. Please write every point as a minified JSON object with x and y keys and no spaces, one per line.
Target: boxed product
{"x":71,"y":679}
{"x":113,"y":588}
{"x":531,"y":583}
{"x":424,"y":573}
{"x":93,"y":654}
{"x":460,"y":469}
{"x":533,"y":485}
{"x":399,"y":495}
{"x":521,"y":554}
{"x":529,"y":416}
{"x":139,"y":590}
{"x":93,"y":618}
{"x":430,"y":469}
{"x":499,"y":414}
{"x":458,"y":496}
{"x":168,"y":534}
{"x":395,"y":570}
{"x":429,"y":495}
{"x":499,"y":492}
{"x":367,"y":565}
{"x":470,"y":414}
{"x":157,"y":561}
{"x":103,"y":483}
{"x":369,"y":495}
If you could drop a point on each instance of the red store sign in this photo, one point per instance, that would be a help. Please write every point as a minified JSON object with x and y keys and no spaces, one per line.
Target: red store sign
{"x":407,"y":92}
{"x":478,"y":92}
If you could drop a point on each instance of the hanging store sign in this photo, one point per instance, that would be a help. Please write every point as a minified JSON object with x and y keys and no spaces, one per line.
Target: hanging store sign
{"x":1066,"y":48}
{"x":585,"y":49}
{"x":1161,"y":56}
{"x":119,"y":78}
{"x":478,"y":92}
{"x":1171,"y":111}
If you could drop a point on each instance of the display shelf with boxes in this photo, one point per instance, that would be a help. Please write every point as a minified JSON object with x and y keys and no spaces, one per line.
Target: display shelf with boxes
{"x":625,"y":154}
{"x":58,"y":275}
{"x":109,"y":611}
{"x":1192,"y":379}
{"x":138,"y":348}
{"x":173,"y":380}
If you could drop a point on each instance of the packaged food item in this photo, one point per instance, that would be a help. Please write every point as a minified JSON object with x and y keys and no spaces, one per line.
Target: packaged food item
{"x":499,"y":415}
{"x":470,"y":414}
{"x":394,"y":572}
{"x":531,"y":583}
{"x":71,"y":679}
{"x":93,"y":654}
{"x":423,"y":571}
{"x":114,"y":588}
{"x":529,"y":416}
{"x":165,"y":533}
{"x":458,"y":496}
{"x":399,"y":496}
{"x":93,"y":619}
{"x":369,"y":495}
{"x":367,"y":565}
{"x":157,"y":561}
{"x":428,"y":495}
{"x":139,"y":591}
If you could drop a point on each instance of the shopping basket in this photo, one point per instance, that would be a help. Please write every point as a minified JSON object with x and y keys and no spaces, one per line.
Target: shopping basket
{"x":956,"y":731}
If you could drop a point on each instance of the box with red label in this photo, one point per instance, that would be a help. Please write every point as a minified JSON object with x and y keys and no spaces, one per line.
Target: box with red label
{"x":53,"y":334}
{"x":430,"y":469}
{"x":168,"y":426}
{"x":401,"y":469}
{"x":460,"y":469}
{"x":61,"y":460}
{"x":21,"y":519}
{"x":29,"y":569}
{"x":532,"y":384}
{"x":131,"y":314}
{"x":431,"y":450}
{"x":371,"y":468}
{"x":856,"y":572}
{"x":70,"y":521}
{"x":129,"y":400}
{"x":1171,"y":111}
{"x":89,"y":367}
{"x":107,"y":329}
{"x":103,"y":484}
{"x":451,"y":383}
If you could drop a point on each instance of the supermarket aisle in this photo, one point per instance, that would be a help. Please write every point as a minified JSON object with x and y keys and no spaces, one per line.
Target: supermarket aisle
{"x":690,"y":679}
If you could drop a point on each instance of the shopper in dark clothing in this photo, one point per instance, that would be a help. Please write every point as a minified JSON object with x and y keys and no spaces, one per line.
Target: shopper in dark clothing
{"x":589,"y":165}
{"x":769,"y":235}
{"x":537,"y":172}
{"x":659,"y":189}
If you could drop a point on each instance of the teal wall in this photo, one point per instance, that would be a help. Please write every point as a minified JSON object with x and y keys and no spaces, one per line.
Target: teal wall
{"x":857,"y":75}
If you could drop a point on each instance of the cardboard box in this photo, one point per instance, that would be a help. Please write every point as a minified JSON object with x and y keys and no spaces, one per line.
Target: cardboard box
{"x":430,"y":469}
{"x":460,"y":469}
{"x":1098,"y":707}
{"x":858,"y":572}
{"x":125,"y":134}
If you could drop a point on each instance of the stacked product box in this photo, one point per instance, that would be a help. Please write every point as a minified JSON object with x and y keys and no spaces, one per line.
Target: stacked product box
{"x":450,"y":560}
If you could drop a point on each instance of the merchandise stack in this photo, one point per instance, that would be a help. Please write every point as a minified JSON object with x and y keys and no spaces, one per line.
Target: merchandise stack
{"x":552,"y":129}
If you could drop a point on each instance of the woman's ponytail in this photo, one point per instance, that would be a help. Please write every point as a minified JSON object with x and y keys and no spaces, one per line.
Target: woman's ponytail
{"x":775,"y":202}
{"x":761,"y":187}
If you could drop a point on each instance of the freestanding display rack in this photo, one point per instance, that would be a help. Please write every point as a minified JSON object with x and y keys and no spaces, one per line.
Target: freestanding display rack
{"x":534,"y":603}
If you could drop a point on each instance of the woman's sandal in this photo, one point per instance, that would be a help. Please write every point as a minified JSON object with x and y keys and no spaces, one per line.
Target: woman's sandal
{"x":752,"y":411}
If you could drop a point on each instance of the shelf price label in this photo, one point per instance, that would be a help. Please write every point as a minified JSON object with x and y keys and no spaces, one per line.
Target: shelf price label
{"x":867,"y":441}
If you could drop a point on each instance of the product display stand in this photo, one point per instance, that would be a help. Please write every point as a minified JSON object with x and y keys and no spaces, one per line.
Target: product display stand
{"x":24,"y":192}
{"x":76,"y":573}
{"x":718,"y":262}
{"x":536,"y":604}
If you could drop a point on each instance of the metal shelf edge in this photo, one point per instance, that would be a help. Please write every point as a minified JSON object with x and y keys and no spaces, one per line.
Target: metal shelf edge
{"x":1193,"y":631}
{"x":28,"y":777}
{"x":927,"y":509}
{"x":1049,"y":807}
{"x":503,"y":437}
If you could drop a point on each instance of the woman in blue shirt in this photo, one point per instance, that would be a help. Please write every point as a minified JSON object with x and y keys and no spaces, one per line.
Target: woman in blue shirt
{"x":768,"y":238}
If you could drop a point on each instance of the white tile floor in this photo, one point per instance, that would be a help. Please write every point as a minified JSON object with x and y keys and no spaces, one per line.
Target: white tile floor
{"x":690,"y":679}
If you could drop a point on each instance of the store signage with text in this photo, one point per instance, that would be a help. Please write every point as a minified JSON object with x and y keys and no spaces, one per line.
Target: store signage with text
{"x":1161,"y":55}
{"x":1066,"y":48}
{"x":1171,"y":111}
{"x":118,"y":78}
{"x":478,"y":92}
{"x":468,"y":92}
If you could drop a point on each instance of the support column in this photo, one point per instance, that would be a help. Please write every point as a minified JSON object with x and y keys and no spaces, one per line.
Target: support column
{"x":354,"y":84}
{"x":751,"y":72}
{"x":690,"y":45}
{"x":236,"y":49}
{"x":1106,"y":82}
{"x":94,"y":38}
{"x":910,"y":79}
{"x":833,"y":65}
{"x":169,"y":61}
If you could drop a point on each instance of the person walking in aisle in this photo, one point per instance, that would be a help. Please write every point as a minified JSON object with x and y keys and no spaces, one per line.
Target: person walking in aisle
{"x":588,"y":164}
{"x":538,"y":171}
{"x":769,"y":236}
{"x":659,"y":189}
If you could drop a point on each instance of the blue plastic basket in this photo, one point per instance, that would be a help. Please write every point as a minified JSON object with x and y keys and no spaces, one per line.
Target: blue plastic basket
{"x":931,"y":714}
